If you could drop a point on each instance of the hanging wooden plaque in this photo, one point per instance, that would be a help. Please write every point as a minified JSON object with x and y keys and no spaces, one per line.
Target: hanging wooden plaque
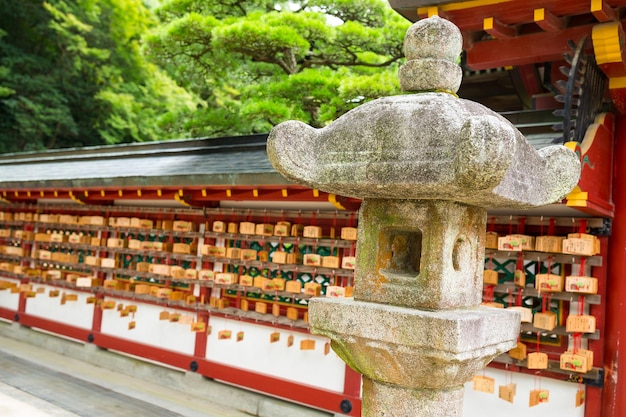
{"x":484,"y":384}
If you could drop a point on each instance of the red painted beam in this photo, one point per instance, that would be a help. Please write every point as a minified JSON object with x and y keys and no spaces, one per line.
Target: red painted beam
{"x":267,"y":384}
{"x":526,"y":49}
{"x":549,"y":22}
{"x":603,"y":12}
{"x":54,"y":327}
{"x":7,"y":314}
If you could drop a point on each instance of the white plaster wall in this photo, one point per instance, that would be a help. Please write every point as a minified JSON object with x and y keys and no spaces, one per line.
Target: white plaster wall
{"x":561,"y":403}
{"x":255,"y":353}
{"x":7,"y":299}
{"x":148,"y":328}
{"x":74,"y":313}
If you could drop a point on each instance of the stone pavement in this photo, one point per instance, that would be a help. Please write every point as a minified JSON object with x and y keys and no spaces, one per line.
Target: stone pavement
{"x":38,"y":383}
{"x":66,"y":376}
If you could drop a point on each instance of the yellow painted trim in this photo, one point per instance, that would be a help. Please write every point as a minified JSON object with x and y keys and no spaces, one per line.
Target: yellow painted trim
{"x":576,"y":203}
{"x":28,"y":193}
{"x":617,"y":83}
{"x":577,"y":199}
{"x":120,"y":193}
{"x":433,"y":11}
{"x":86,"y":193}
{"x":539,"y":14}
{"x":4,"y":193}
{"x":255,"y":193}
{"x":17,"y":194}
{"x":332,"y":198}
{"x":180,"y":200}
{"x":203,"y":193}
{"x":56,"y":193}
{"x":488,"y":23}
{"x":462,"y":5}
{"x":74,"y":198}
{"x":606,"y":43}
{"x":102,"y":193}
{"x":316,"y":193}
{"x":138,"y":193}
{"x":180,"y":193}
{"x":159,"y":193}
{"x":284,"y":192}
{"x":229,"y":193}
{"x":596,"y":5}
{"x":41,"y":193}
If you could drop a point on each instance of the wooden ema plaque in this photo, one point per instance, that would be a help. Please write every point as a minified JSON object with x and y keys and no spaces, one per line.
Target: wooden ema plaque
{"x":219,"y":226}
{"x":282,"y":229}
{"x":545,"y":321}
{"x":581,"y":284}
{"x":246,"y":280}
{"x":580,"y":324}
{"x":491,"y":240}
{"x":516,"y":243}
{"x":226,"y":278}
{"x":279,"y":257}
{"x":518,"y":352}
{"x":232,"y":227}
{"x":507,"y":392}
{"x":312,"y":259}
{"x":552,"y":244}
{"x":349,"y":233}
{"x":330,"y":262}
{"x":274,"y":337}
{"x":538,"y":396}
{"x":312,"y":232}
{"x":264,"y":229}
{"x":490,"y":277}
{"x":224,"y":335}
{"x":537,"y":360}
{"x":260,"y":307}
{"x":307,"y":344}
{"x":519,"y":278}
{"x":247,"y":228}
{"x":292,"y":313}
{"x":573,"y":362}
{"x":248,"y":255}
{"x":198,"y":326}
{"x":348,"y":262}
{"x":233,"y":253}
{"x":548,"y":283}
{"x":483,"y":384}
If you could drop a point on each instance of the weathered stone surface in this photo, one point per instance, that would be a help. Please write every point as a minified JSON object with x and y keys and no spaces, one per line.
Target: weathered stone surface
{"x":426,"y":165}
{"x":424,"y":146}
{"x":433,"y":38}
{"x":430,"y":75}
{"x":414,"y":348}
{"x":393,"y":401}
{"x":420,"y":254}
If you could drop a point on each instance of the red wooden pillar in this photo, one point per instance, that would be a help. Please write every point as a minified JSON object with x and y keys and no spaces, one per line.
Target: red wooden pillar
{"x":614,"y":400}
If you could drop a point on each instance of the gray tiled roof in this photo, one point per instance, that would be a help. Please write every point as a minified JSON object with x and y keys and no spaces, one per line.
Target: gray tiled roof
{"x":224,"y":161}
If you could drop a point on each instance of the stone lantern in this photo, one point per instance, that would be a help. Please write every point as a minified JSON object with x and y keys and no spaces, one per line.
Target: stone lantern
{"x":427,"y":165}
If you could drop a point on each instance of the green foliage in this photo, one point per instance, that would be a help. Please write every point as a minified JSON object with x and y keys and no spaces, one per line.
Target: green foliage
{"x":256,"y":63}
{"x":72,"y":74}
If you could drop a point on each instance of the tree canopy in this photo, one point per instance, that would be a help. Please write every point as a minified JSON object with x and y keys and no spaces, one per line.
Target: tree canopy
{"x":93,"y":72}
{"x":255,"y":63}
{"x":72,"y":74}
